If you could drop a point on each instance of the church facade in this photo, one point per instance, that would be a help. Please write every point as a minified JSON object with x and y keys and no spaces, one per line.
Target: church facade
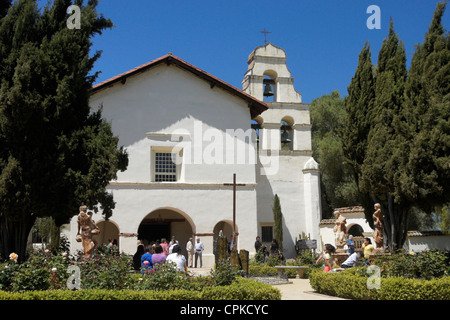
{"x":188,"y":134}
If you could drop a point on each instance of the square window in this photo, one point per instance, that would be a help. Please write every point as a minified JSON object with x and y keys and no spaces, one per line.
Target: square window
{"x":165,"y":168}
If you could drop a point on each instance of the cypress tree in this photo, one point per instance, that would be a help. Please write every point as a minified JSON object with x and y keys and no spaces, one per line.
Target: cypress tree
{"x":354,"y":133}
{"x":278,"y":222}
{"x":426,"y":176}
{"x":380,"y":167}
{"x":56,"y":153}
{"x":358,"y":106}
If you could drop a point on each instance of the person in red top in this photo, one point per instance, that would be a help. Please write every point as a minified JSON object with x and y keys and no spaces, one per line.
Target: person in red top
{"x":165,"y":246}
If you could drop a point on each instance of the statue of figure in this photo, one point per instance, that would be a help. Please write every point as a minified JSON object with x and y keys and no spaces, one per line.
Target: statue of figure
{"x":88,"y":227}
{"x":340,"y":230}
{"x":378,"y":223}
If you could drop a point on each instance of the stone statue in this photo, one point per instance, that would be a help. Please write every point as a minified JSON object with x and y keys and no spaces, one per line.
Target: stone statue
{"x":340,"y":230}
{"x":88,"y":228}
{"x":378,"y":223}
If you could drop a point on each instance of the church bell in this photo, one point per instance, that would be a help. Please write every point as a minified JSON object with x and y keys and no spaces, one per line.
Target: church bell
{"x":268,"y":92}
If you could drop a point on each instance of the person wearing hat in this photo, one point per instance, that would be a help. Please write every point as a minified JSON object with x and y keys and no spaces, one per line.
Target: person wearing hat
{"x":190,"y":251}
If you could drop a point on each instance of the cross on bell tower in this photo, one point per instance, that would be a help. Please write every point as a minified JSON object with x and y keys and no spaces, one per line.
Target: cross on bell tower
{"x":265,"y":35}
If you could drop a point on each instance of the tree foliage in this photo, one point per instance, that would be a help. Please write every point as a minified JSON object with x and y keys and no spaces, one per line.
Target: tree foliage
{"x":278,"y":222}
{"x":397,"y":131}
{"x":56,"y":153}
{"x":338,"y":185}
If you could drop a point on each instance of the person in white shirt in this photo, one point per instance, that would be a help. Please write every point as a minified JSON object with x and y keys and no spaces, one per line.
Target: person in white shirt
{"x":190,"y":251}
{"x":351,"y":261}
{"x":199,"y":247}
{"x":172,"y":243}
{"x":178,"y":258}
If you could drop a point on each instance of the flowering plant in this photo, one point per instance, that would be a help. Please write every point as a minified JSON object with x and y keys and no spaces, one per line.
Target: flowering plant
{"x":14,"y":256}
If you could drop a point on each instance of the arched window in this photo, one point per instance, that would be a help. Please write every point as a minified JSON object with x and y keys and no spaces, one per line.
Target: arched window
{"x":269,"y":86}
{"x":257,"y":125}
{"x":286,"y":133}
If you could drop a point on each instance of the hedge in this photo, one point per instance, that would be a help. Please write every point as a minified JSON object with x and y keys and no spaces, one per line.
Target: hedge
{"x":351,"y":286}
{"x":241,"y":289}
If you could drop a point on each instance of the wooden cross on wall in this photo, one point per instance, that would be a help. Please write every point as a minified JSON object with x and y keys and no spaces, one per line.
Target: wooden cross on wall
{"x":234,"y":184}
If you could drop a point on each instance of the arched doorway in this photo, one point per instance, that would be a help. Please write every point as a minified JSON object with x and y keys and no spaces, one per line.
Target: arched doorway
{"x":355,"y":230}
{"x":226,"y":226}
{"x":165,"y":223}
{"x":108,"y":230}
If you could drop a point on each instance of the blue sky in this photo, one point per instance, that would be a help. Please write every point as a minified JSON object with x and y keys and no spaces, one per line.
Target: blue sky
{"x":322,"y":39}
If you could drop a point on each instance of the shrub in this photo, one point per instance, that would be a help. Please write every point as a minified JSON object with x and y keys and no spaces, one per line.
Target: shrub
{"x":423,"y":265}
{"x":105,"y":271}
{"x":349,"y":284}
{"x":224,"y":274}
{"x":241,"y":289}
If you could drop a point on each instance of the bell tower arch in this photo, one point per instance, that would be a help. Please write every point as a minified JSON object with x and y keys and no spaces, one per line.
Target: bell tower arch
{"x":269,"y":79}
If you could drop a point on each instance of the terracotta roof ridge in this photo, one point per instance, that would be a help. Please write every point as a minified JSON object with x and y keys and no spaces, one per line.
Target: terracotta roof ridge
{"x":260,"y":105}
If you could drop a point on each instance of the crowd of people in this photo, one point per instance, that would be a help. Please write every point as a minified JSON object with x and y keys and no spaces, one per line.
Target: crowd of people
{"x":353,"y":255}
{"x":264,"y":253}
{"x":161,"y":252}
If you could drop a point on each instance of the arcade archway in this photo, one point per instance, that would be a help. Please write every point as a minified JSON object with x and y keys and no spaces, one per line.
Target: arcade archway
{"x":165,"y":223}
{"x":108,"y":230}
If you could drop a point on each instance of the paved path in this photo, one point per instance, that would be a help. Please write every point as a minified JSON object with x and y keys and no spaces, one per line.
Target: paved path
{"x":300,"y":289}
{"x":296,"y":289}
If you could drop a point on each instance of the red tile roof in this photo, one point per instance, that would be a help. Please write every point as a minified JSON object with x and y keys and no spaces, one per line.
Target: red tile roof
{"x":256,"y":106}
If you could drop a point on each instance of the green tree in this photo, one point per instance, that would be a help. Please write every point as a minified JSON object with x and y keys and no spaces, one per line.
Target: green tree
{"x":278,"y":222}
{"x":379,"y":171}
{"x":355,"y":130}
{"x":358,"y":106}
{"x":402,"y":160}
{"x":56,"y":153}
{"x":4,"y":6}
{"x":338,"y":185}
{"x":426,"y":175}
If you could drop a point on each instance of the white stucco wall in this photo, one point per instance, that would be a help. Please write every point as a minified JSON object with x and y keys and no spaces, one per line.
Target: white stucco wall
{"x":144,"y":113}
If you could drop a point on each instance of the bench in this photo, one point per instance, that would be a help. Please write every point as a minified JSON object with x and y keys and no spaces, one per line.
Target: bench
{"x":300,"y":270}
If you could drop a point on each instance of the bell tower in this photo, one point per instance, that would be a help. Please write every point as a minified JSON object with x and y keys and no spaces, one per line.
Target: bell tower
{"x":267,"y":67}
{"x":286,"y":125}
{"x":284,"y":139}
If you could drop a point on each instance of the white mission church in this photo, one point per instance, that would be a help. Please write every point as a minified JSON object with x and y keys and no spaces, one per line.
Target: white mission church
{"x":187,"y":133}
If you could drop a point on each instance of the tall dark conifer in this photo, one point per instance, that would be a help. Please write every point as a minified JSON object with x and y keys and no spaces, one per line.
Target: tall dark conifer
{"x":278,"y":222}
{"x":379,"y":173}
{"x":426,"y":177}
{"x":359,"y":106}
{"x":55,"y":152}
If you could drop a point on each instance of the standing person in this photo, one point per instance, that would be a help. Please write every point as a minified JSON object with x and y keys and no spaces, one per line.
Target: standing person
{"x":146,"y":260}
{"x":350,"y":244}
{"x":178,"y":258}
{"x":273,"y":249}
{"x":190,"y":251}
{"x":258,"y":244}
{"x":137,"y":257}
{"x":172,"y":243}
{"x":199,"y":247}
{"x":368,"y":249}
{"x":165,"y":246}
